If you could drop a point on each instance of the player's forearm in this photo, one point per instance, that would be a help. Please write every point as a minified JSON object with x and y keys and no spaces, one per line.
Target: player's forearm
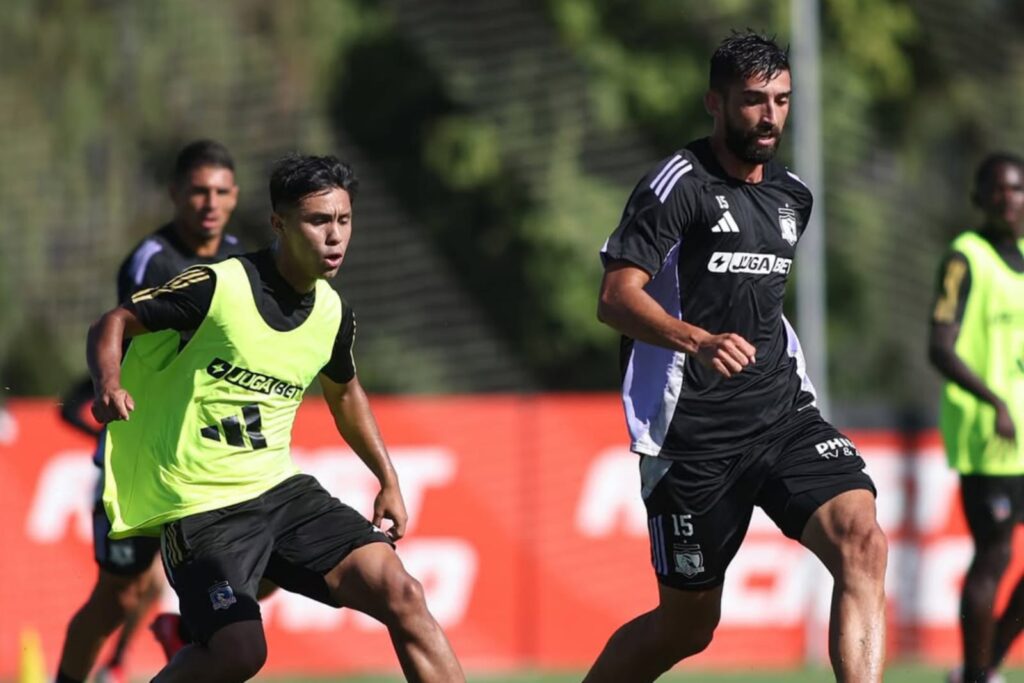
{"x":955,"y":370}
{"x":635,"y":314}
{"x":103,"y":350}
{"x":357,"y":426}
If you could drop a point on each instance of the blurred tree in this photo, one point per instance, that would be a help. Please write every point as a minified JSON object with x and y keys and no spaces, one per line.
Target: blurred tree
{"x":92,"y":92}
{"x":511,"y":134}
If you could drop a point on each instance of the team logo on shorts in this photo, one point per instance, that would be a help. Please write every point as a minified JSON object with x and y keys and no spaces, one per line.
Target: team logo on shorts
{"x":787,"y":224}
{"x":1001,"y":508}
{"x":221,"y":595}
{"x":689,"y":560}
{"x":122,"y":554}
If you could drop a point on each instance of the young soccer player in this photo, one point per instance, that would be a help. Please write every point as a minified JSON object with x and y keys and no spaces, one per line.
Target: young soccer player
{"x":198,"y":440}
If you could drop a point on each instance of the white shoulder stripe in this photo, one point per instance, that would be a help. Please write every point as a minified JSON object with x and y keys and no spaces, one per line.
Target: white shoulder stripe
{"x":664,"y":170}
{"x":666,"y":188}
{"x":682,"y":163}
{"x":795,"y":177}
{"x":141,"y":258}
{"x":667,"y":174}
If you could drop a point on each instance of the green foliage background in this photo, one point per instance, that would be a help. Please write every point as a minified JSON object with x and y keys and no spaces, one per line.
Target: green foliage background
{"x":504,"y":158}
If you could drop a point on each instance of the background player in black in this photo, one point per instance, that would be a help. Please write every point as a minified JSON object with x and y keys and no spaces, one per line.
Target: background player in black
{"x":204,"y":195}
{"x":319,"y":546}
{"x":716,"y":399}
{"x":993,"y":505}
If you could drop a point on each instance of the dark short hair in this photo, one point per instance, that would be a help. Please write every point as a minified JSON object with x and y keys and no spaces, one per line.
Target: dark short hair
{"x":297,"y":175}
{"x":201,"y":153}
{"x":744,"y":55}
{"x":987,"y":168}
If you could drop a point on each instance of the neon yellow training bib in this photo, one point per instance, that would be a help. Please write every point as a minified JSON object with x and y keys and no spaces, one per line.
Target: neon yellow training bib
{"x":991,"y":343}
{"x":212,"y":424}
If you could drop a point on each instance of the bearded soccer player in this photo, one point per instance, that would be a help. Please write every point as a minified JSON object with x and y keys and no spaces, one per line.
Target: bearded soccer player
{"x":204,"y":195}
{"x":198,"y":441}
{"x":718,"y":406}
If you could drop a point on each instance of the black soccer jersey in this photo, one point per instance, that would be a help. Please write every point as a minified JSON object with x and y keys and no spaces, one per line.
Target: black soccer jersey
{"x":719,"y":252}
{"x":161,"y":256}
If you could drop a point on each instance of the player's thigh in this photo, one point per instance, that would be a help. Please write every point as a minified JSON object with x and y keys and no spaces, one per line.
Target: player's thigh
{"x":124,"y":593}
{"x":992,"y":507}
{"x":844,"y":534}
{"x":314,"y":533}
{"x":373,"y":580}
{"x":691,"y":548}
{"x":214,"y":562}
{"x":815,"y":464}
{"x":694,"y":612}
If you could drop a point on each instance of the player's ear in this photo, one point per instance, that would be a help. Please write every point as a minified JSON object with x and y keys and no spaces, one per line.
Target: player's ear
{"x":712,"y":101}
{"x":276,"y":223}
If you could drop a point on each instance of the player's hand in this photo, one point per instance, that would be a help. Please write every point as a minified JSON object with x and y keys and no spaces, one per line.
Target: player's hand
{"x":1004,"y":423}
{"x":389,"y":505}
{"x":112,"y":404}
{"x":727,"y":354}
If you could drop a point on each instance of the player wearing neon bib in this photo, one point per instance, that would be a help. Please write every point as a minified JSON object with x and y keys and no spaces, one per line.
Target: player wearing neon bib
{"x":991,"y":344}
{"x":210,"y":423}
{"x":977,"y":343}
{"x":225,"y":402}
{"x":128,"y":582}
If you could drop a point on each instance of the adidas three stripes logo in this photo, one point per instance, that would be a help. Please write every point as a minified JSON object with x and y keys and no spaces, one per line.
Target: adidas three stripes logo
{"x":725,"y":224}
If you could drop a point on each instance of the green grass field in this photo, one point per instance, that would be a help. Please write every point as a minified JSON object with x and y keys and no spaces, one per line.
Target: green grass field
{"x":894,"y":674}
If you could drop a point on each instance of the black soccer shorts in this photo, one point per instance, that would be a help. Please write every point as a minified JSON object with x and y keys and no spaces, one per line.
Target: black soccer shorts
{"x":790,"y":474}
{"x":293,"y":534}
{"x":124,"y":556}
{"x":993,"y":505}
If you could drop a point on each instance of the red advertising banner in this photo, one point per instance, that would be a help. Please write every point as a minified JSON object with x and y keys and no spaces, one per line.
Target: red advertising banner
{"x":527,"y":531}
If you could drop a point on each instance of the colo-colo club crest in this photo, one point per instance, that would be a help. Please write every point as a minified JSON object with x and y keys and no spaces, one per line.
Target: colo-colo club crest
{"x":689,"y":559}
{"x":787,"y":224}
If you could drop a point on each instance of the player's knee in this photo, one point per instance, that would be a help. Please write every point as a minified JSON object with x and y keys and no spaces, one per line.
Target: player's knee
{"x":115,"y":597}
{"x":995,"y":553}
{"x":240,"y":653}
{"x":694,"y":640}
{"x":684,"y":643}
{"x":403,"y":597}
{"x":684,"y":635}
{"x":128,"y":598}
{"x":248,"y":662}
{"x":865,"y":551}
{"x":991,"y":559}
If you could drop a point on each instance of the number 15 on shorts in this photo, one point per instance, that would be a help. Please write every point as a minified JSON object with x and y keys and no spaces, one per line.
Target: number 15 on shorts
{"x":681,"y":525}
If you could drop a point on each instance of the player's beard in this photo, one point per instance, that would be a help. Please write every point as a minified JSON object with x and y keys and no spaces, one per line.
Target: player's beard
{"x":745,"y":146}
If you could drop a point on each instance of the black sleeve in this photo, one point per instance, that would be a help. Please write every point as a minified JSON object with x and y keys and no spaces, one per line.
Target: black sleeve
{"x":804,"y":204}
{"x":656,"y":217}
{"x":150,"y":265}
{"x":180,"y":304}
{"x":341,"y":368}
{"x":952,"y":290}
